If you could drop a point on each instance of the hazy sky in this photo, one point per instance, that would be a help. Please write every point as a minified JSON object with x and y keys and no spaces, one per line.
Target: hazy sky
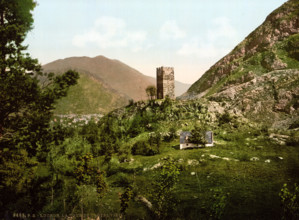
{"x":190,"y":35}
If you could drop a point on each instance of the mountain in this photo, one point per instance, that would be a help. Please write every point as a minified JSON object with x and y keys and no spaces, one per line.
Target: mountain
{"x":105,"y":84}
{"x":259,"y":78}
{"x":180,"y":88}
{"x":115,"y":74}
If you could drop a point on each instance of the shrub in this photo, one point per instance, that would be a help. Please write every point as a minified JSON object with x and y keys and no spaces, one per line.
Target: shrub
{"x":167,"y":103}
{"x":219,"y":202}
{"x":293,"y":47}
{"x":155,"y":140}
{"x":90,"y":132}
{"x":137,"y":126}
{"x":290,"y":202}
{"x":143,"y":148}
{"x":113,"y":166}
{"x":171,"y":135}
{"x":125,"y":199}
{"x":295,"y":124}
{"x":131,"y":102}
{"x":123,"y":155}
{"x":244,"y":157}
{"x":121,"y":180}
{"x":225,"y":118}
{"x":293,"y":140}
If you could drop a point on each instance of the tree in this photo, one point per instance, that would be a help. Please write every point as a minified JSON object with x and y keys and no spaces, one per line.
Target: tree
{"x":15,"y":22}
{"x":26,"y":106}
{"x":89,"y":176}
{"x":151,"y":92}
{"x":162,"y":190}
{"x":198,"y":135}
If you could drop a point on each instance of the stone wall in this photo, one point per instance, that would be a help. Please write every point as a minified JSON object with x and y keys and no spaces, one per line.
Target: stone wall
{"x":165,"y":82}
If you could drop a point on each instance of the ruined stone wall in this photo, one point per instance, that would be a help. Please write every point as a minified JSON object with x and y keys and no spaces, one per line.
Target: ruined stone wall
{"x":165,"y":82}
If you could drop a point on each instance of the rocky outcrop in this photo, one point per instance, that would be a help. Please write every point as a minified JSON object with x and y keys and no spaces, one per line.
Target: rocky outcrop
{"x":271,"y":95}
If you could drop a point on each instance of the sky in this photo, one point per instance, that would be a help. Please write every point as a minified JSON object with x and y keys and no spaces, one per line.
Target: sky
{"x":189,"y":35}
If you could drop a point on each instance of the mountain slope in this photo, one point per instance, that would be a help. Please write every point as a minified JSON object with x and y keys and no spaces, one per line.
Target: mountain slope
{"x":115,"y":74}
{"x":180,"y":88}
{"x":90,"y":96}
{"x":261,"y":71}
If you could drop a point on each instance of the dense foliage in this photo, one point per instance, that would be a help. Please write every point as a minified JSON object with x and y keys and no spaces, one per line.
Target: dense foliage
{"x":26,"y":107}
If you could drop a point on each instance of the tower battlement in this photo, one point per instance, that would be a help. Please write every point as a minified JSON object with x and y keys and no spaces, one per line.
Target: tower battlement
{"x":165,"y":82}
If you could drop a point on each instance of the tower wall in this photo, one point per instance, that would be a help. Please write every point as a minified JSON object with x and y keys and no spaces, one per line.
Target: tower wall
{"x":165,"y":82}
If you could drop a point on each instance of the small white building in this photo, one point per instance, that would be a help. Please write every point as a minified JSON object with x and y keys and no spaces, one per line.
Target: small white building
{"x":185,"y":140}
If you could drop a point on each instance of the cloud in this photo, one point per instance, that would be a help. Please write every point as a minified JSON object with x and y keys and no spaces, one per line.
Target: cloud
{"x":201,"y":50}
{"x":222,"y":29}
{"x":170,"y":30}
{"x":215,"y":43}
{"x":110,"y":32}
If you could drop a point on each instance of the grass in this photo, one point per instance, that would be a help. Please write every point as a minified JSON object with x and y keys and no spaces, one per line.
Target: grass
{"x":249,"y":187}
{"x":252,"y":186}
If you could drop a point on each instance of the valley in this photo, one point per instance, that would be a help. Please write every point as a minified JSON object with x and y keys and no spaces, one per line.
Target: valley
{"x":84,"y":137}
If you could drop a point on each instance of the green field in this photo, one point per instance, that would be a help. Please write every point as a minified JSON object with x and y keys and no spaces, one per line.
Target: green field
{"x":239,"y":178}
{"x":251,"y":187}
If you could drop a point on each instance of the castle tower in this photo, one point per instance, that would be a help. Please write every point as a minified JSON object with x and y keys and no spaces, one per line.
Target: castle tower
{"x":165,"y":82}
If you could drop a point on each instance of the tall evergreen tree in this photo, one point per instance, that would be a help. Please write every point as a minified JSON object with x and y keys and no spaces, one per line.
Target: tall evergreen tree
{"x":26,"y":106}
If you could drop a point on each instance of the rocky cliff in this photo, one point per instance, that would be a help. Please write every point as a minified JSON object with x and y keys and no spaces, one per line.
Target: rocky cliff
{"x":260,"y":77}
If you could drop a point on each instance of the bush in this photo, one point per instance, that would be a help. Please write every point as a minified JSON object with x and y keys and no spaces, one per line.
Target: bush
{"x":143,"y":148}
{"x":295,"y":124}
{"x":131,"y":102}
{"x":113,"y":166}
{"x":293,"y":140}
{"x":121,"y":180}
{"x":90,"y":132}
{"x":171,"y":135}
{"x":137,"y":126}
{"x":244,"y":157}
{"x":123,"y":155}
{"x":290,"y":202}
{"x":225,"y":118}
{"x":155,"y":140}
{"x":219,"y":202}
{"x":293,"y":47}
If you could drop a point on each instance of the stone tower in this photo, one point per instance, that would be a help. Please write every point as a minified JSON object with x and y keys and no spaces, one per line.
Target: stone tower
{"x":165,"y":82}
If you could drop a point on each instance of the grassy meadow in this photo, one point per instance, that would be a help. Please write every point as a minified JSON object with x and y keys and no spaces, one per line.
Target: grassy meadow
{"x":249,"y":173}
{"x":241,"y":177}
